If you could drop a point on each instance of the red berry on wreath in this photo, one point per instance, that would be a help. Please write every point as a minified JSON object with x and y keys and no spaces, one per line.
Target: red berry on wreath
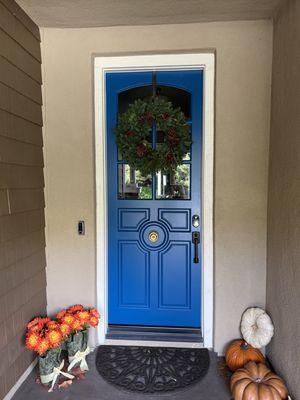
{"x":146,"y":118}
{"x":172,"y":131}
{"x":170,"y":157}
{"x":141,"y":150}
{"x":172,"y":138}
{"x":166,"y":115}
{"x":130,"y":133}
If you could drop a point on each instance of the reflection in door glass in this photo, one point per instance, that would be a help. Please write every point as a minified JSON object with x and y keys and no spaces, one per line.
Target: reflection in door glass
{"x":175,"y":184}
{"x":132,"y":184}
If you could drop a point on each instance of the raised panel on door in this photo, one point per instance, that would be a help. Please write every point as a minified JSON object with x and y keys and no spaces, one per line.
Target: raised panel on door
{"x":133,"y":275}
{"x":175,"y":279}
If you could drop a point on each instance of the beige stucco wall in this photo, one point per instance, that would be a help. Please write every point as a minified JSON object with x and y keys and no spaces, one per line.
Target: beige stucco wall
{"x":242,"y":129}
{"x":283,"y":272}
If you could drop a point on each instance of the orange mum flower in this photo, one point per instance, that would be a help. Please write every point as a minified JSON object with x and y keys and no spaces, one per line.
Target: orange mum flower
{"x":68,"y":319}
{"x":94,"y":312}
{"x":75,"y":308}
{"x":44,"y":320}
{"x":76,"y":325}
{"x":32,"y":341}
{"x":61,"y":314}
{"x":83,"y":316}
{"x":34,"y":325}
{"x":65,"y":329}
{"x":43,"y":346}
{"x":94,"y":321}
{"x":52,"y":325}
{"x":54,"y":337}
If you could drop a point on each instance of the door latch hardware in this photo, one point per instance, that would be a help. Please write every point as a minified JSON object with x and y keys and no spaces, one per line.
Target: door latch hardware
{"x":196,"y":241}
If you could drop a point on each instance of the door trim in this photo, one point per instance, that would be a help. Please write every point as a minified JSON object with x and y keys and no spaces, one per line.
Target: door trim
{"x":103,"y":64}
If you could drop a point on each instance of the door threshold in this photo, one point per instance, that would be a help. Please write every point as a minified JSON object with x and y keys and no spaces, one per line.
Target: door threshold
{"x":154,"y":334}
{"x":149,"y":343}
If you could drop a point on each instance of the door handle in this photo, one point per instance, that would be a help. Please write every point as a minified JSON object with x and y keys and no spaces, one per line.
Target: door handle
{"x":196,"y":241}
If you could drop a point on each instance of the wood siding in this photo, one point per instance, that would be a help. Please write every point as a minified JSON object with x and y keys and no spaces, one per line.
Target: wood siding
{"x":22,"y":240}
{"x":283,"y":256}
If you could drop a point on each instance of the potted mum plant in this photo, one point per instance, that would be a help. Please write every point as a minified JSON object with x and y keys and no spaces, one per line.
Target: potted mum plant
{"x":75,"y":323}
{"x":44,"y":336}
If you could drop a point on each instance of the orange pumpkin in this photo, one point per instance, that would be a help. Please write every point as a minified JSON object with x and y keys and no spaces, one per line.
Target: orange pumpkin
{"x":257,"y":382}
{"x":239,"y":353}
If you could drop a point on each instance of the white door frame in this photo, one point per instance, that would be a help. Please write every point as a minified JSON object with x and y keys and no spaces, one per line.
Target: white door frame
{"x":103,"y":64}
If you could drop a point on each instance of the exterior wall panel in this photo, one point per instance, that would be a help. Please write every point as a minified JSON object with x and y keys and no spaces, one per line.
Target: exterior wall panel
{"x":20,"y":15}
{"x":17,"y":31}
{"x":19,"y":176}
{"x":283,"y":256}
{"x":20,"y":129}
{"x":20,"y":82}
{"x":18,"y":56}
{"x":22,"y":239}
{"x":243,"y":82}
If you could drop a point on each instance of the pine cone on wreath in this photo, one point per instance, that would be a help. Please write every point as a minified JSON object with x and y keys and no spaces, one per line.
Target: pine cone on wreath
{"x":141,"y":150}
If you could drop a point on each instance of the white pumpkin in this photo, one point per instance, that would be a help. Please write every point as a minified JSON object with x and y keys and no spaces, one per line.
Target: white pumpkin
{"x":257,"y":327}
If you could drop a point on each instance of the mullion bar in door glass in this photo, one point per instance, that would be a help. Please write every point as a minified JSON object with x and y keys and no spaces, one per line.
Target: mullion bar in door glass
{"x":154,"y":145}
{"x":187,"y":156}
{"x":132,"y":185}
{"x":174,"y":185}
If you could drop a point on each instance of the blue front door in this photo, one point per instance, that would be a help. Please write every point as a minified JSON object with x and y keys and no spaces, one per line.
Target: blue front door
{"x":153,"y":276}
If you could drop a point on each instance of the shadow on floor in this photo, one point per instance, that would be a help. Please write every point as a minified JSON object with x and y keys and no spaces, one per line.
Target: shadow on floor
{"x":212,"y":387}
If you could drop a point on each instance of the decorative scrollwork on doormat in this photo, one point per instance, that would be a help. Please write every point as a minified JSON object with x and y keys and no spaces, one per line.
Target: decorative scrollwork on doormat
{"x":151,"y":369}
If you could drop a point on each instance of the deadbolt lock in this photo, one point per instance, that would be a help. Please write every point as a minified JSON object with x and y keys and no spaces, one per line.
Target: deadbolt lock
{"x":195,"y":221}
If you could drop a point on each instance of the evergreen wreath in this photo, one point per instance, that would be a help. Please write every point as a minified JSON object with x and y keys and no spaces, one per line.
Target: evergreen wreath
{"x":134,"y":140}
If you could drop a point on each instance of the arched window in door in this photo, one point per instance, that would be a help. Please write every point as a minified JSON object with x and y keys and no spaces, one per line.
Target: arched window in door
{"x":173,"y":185}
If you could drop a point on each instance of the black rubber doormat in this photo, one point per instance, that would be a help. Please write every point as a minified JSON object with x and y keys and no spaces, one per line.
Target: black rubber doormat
{"x":151,"y":369}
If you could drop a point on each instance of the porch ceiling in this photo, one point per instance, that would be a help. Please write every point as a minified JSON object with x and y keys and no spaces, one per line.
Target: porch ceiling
{"x":96,"y":13}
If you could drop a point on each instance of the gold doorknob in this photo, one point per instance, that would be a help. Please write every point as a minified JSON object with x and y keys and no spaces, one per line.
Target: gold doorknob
{"x":153,"y":236}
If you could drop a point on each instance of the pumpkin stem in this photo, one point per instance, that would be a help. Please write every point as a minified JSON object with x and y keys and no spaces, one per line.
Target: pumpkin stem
{"x":244,"y":345}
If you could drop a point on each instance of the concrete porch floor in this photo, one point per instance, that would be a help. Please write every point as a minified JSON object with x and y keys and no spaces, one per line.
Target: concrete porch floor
{"x":212,"y":387}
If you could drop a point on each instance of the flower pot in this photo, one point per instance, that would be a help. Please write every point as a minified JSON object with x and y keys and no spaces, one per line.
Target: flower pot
{"x":78,"y":349}
{"x":50,"y":368}
{"x":48,"y":362}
